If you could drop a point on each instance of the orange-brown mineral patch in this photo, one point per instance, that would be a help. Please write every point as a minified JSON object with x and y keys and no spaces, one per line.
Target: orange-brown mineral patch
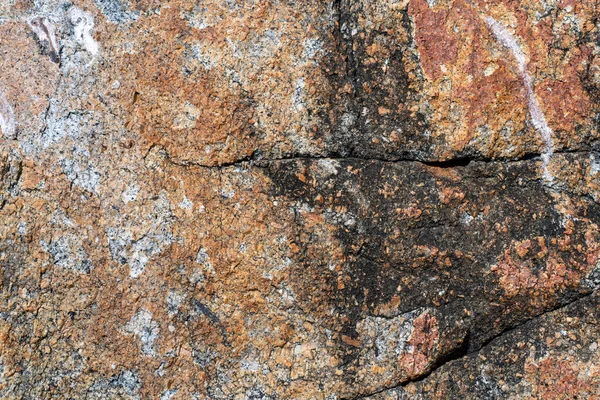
{"x":474,"y":84}
{"x":438,"y":47}
{"x":422,"y":341}
{"x":538,"y":268}
{"x":562,"y":377}
{"x":213,"y":84}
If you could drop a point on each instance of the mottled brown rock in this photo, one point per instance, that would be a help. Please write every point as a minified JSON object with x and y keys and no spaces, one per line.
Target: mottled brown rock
{"x":298,"y":200}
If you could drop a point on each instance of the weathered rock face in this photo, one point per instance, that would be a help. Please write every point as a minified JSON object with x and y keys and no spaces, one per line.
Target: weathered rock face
{"x":552,"y":357}
{"x":299,"y":200}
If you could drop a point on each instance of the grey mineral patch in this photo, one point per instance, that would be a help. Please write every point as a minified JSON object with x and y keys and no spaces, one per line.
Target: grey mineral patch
{"x":312,"y":46}
{"x":197,"y":277}
{"x":136,"y":253}
{"x":11,"y":168}
{"x":595,"y":165}
{"x":142,"y":326}
{"x":168,"y":394}
{"x":116,"y":12}
{"x":328,"y":168}
{"x":2,"y":371}
{"x":156,"y":235}
{"x":257,"y":393}
{"x":227,"y":194}
{"x":592,"y":280}
{"x":129,"y":381}
{"x":200,"y":55}
{"x":263,"y":46}
{"x":141,"y":251}
{"x":348,"y":121}
{"x":385,"y":339}
{"x":130,"y":194}
{"x":203,"y":356}
{"x":22,"y":228}
{"x":60,"y":124}
{"x":86,"y":177}
{"x":118,"y":240}
{"x":488,"y":386}
{"x":198,"y":18}
{"x":174,"y":301}
{"x":297,"y":96}
{"x":67,"y":252}
{"x":202,"y":256}
{"x":186,"y":204}
{"x":123,"y":386}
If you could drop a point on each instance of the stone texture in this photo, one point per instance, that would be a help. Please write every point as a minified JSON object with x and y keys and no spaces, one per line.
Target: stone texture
{"x":553,"y":357}
{"x":299,"y":200}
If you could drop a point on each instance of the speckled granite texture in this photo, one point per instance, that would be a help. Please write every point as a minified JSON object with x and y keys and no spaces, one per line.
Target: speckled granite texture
{"x":310,"y":199}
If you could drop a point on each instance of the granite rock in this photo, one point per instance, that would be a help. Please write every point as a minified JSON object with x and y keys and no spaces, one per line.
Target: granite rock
{"x":299,"y":199}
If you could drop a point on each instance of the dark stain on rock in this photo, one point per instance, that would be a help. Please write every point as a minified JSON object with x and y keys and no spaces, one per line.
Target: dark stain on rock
{"x":416,"y":236}
{"x":204,"y":310}
{"x":378,"y":118}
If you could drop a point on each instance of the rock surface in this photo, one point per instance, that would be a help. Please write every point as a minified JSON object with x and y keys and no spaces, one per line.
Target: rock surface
{"x":299,"y":199}
{"x":553,"y":357}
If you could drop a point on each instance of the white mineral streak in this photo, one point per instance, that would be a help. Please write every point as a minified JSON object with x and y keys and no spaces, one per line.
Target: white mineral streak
{"x":7,"y":118}
{"x":83,"y":23}
{"x":537,"y":116}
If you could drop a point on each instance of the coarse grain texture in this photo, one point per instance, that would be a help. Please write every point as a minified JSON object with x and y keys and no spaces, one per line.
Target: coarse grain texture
{"x":279,"y":199}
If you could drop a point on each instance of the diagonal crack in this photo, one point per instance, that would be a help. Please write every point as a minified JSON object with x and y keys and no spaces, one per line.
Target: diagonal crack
{"x":460,"y":354}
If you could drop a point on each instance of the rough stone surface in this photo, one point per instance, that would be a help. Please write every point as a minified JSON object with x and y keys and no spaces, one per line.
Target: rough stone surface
{"x":282,"y":199}
{"x":552,"y":357}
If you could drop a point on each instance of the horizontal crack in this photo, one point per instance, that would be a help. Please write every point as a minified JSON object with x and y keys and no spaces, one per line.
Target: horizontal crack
{"x":255,"y":158}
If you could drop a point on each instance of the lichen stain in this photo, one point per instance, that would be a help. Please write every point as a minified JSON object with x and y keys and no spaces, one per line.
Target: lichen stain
{"x":7,"y":118}
{"x":83,"y":24}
